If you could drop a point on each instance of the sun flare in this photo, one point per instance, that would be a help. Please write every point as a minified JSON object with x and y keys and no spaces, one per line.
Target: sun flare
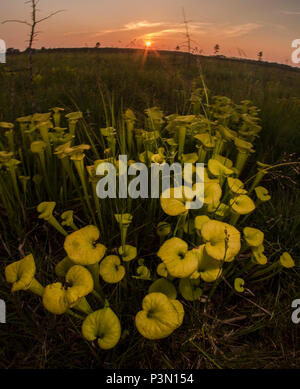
{"x":148,"y":43}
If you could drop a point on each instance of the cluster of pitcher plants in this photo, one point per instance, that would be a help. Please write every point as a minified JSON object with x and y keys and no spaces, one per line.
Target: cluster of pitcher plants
{"x":48,"y":164}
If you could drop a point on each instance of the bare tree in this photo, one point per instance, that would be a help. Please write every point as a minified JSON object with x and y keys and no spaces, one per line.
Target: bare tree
{"x":187,"y":44}
{"x":217,"y":48}
{"x":189,"y":40}
{"x":32,"y":36}
{"x":187,"y":31}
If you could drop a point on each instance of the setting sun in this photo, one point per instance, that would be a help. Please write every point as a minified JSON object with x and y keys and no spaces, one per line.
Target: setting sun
{"x":148,"y":43}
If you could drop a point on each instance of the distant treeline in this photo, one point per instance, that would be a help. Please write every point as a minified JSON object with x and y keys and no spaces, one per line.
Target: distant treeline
{"x":111,"y":50}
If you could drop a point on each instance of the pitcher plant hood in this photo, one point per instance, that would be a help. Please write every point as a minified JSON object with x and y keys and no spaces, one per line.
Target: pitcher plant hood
{"x":111,"y":269}
{"x":253,"y":236}
{"x":179,"y":262}
{"x":223,"y":241}
{"x":159,"y":317}
{"x":57,"y":298}
{"x":129,"y":253}
{"x":242,"y":205}
{"x":174,"y":206}
{"x":46,"y":209}
{"x":104,"y":326}
{"x":163,"y":286}
{"x":81,"y":282}
{"x":189,"y":289}
{"x":209,"y":269}
{"x":287,"y":261}
{"x":81,"y":246}
{"x":262,"y":194}
{"x":21,"y":273}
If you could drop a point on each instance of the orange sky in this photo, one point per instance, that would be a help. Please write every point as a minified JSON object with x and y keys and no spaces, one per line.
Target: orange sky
{"x":240,"y":27}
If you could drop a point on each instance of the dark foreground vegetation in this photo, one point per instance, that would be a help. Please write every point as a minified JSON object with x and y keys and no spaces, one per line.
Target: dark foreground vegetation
{"x":232,"y":330}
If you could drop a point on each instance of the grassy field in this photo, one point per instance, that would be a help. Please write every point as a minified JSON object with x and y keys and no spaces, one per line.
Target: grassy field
{"x":76,"y":79}
{"x":230,"y":331}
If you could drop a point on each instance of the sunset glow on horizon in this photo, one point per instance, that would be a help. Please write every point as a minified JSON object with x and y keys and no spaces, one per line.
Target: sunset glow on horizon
{"x":242,"y":28}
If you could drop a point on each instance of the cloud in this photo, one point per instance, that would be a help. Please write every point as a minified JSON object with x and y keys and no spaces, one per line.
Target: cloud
{"x":144,"y":29}
{"x":239,"y":30}
{"x":291,"y":12}
{"x":76,"y":33}
{"x":141,"y":24}
{"x":198,"y":31}
{"x":161,"y":33}
{"x":132,"y":26}
{"x":209,"y":29}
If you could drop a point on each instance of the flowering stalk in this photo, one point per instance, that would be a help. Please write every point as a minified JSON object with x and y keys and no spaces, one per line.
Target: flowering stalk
{"x":130,"y":120}
{"x":181,"y":140}
{"x":12,"y":166}
{"x":99,"y":297}
{"x":44,"y":170}
{"x":267,"y":277}
{"x":44,"y":131}
{"x":46,"y":213}
{"x":258,"y":178}
{"x":97,"y":203}
{"x":77,"y":316}
{"x":36,"y":287}
{"x":124,"y":221}
{"x":79,"y":165}
{"x":201,"y":154}
{"x":57,"y":115}
{"x":54,"y":223}
{"x":179,"y":229}
{"x":273,"y":266}
{"x":10,"y":138}
{"x":23,"y":123}
{"x":234,"y":218}
{"x":24,"y":180}
{"x":130,"y":129}
{"x":94,"y":270}
{"x":241,"y":161}
{"x":83,"y":306}
{"x":218,"y":149}
{"x":139,"y":141}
